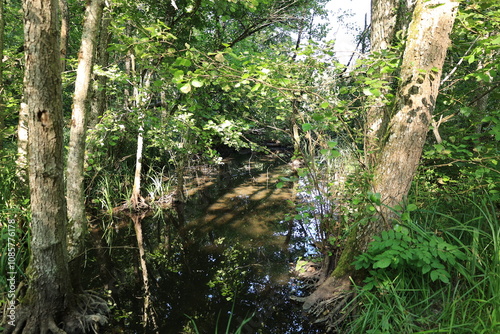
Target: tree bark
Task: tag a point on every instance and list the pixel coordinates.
(388, 18)
(63, 8)
(75, 188)
(402, 142)
(98, 101)
(22, 129)
(141, 98)
(423, 60)
(49, 294)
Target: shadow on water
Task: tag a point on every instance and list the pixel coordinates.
(229, 259)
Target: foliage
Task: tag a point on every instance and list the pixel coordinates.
(398, 250)
(230, 277)
(406, 301)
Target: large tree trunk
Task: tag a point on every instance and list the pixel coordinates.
(50, 300)
(388, 18)
(423, 59)
(75, 192)
(22, 129)
(50, 292)
(402, 141)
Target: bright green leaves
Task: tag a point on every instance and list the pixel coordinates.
(182, 62)
(186, 88)
(196, 83)
(331, 150)
(307, 126)
(401, 250)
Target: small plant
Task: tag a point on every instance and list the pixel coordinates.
(398, 250)
(228, 330)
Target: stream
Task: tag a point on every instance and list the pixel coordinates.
(221, 260)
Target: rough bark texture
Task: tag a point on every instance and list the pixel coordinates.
(402, 142)
(50, 301)
(49, 294)
(388, 18)
(75, 192)
(423, 59)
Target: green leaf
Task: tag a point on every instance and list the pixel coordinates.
(384, 263)
(186, 88)
(196, 83)
(256, 87)
(411, 207)
(306, 126)
(332, 144)
(324, 105)
(335, 153)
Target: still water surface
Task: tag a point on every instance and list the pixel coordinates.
(225, 258)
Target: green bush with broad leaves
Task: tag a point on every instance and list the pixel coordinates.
(402, 249)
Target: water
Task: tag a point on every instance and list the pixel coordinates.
(226, 258)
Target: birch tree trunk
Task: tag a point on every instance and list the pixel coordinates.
(75, 191)
(141, 99)
(401, 143)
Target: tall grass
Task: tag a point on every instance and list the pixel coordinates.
(470, 303)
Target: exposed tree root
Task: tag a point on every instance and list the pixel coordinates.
(88, 315)
(328, 303)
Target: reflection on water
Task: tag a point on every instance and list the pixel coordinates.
(234, 252)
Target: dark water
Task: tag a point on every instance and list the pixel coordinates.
(222, 259)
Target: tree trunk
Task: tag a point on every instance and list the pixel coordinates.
(63, 8)
(98, 101)
(140, 101)
(50, 300)
(75, 188)
(49, 294)
(388, 18)
(402, 142)
(423, 59)
(22, 129)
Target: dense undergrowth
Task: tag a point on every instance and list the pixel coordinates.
(405, 300)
